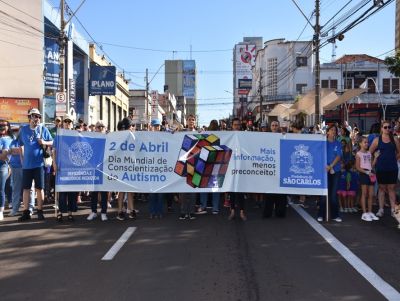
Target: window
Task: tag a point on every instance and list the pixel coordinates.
(386, 86)
(272, 77)
(299, 88)
(348, 84)
(301, 61)
(390, 85)
(329, 83)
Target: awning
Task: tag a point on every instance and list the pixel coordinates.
(346, 96)
(281, 110)
(307, 103)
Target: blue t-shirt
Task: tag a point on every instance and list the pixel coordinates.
(15, 160)
(333, 149)
(33, 151)
(4, 145)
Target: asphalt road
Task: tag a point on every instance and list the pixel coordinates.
(209, 258)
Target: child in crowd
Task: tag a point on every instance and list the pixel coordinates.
(347, 191)
(353, 184)
(364, 165)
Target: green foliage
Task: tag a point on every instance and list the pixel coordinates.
(393, 64)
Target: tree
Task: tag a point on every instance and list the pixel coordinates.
(393, 64)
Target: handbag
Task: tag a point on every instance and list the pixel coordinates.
(47, 158)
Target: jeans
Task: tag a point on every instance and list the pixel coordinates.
(215, 200)
(71, 198)
(3, 179)
(187, 202)
(333, 182)
(16, 183)
(94, 199)
(156, 203)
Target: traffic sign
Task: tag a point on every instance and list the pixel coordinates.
(61, 97)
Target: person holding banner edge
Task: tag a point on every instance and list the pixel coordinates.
(333, 168)
(67, 201)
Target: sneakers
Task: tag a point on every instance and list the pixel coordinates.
(373, 216)
(201, 211)
(303, 205)
(227, 203)
(191, 217)
(366, 217)
(121, 216)
(182, 217)
(320, 219)
(92, 216)
(215, 212)
(26, 215)
(380, 212)
(40, 215)
(132, 214)
(104, 217)
(338, 219)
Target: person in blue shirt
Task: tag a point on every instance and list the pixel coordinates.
(33, 138)
(333, 168)
(5, 141)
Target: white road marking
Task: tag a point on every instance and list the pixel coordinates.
(373, 278)
(119, 244)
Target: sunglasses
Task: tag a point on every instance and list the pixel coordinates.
(387, 127)
(36, 116)
(101, 127)
(68, 121)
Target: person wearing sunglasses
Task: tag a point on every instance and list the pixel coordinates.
(32, 138)
(386, 148)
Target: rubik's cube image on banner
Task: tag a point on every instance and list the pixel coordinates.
(203, 161)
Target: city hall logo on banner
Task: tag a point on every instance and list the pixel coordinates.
(305, 169)
(203, 161)
(301, 160)
(80, 160)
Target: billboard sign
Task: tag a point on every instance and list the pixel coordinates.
(51, 64)
(102, 80)
(154, 104)
(189, 78)
(15, 110)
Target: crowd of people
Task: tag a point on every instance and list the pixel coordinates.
(362, 168)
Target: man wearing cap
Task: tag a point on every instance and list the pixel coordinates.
(32, 138)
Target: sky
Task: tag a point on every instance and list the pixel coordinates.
(137, 35)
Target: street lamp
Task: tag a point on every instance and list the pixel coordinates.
(364, 85)
(398, 95)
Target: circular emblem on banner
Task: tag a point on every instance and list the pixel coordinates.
(80, 153)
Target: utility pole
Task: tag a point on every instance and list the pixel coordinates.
(317, 33)
(146, 96)
(260, 90)
(61, 43)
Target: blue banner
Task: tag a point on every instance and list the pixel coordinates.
(102, 80)
(52, 64)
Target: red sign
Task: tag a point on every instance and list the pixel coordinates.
(15, 110)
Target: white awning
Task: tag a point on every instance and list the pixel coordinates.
(346, 96)
(281, 110)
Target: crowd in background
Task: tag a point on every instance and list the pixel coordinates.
(362, 169)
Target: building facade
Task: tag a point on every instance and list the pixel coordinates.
(180, 80)
(244, 54)
(283, 70)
